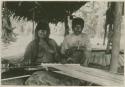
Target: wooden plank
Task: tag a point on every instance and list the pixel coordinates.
(92, 75)
(87, 76)
(99, 73)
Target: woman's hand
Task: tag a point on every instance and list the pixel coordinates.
(45, 46)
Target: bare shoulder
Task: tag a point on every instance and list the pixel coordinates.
(68, 36)
(31, 43)
(52, 41)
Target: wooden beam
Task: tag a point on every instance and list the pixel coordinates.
(116, 37)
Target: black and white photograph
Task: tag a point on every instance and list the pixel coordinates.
(62, 43)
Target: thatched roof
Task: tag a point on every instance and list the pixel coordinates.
(43, 10)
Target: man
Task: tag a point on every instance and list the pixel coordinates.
(76, 46)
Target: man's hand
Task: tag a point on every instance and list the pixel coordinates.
(70, 60)
(82, 48)
(70, 51)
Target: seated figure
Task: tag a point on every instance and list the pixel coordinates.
(42, 49)
(76, 47)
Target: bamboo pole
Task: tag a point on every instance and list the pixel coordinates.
(116, 37)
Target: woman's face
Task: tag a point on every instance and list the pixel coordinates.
(42, 34)
(77, 29)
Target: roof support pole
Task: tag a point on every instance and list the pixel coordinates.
(33, 31)
(66, 24)
(116, 37)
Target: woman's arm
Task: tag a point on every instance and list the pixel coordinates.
(56, 50)
(28, 55)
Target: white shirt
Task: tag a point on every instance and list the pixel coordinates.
(75, 40)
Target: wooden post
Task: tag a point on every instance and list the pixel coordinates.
(116, 37)
(33, 31)
(66, 24)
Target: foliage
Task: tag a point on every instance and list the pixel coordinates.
(7, 30)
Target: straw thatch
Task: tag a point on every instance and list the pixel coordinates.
(45, 11)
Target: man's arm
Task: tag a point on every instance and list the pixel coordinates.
(87, 51)
(55, 47)
(87, 57)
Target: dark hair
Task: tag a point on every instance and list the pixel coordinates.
(78, 21)
(42, 26)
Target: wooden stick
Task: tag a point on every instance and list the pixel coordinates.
(15, 77)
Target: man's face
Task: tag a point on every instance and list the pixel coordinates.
(77, 29)
(42, 34)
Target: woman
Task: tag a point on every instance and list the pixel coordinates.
(42, 49)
